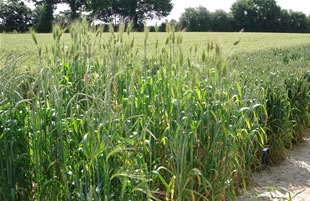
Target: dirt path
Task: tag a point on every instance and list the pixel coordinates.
(290, 179)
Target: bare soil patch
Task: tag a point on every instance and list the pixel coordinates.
(288, 181)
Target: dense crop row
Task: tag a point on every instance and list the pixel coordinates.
(116, 123)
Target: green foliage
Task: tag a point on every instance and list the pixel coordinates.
(222, 21)
(256, 15)
(15, 154)
(74, 5)
(248, 15)
(200, 19)
(294, 22)
(102, 119)
(195, 19)
(298, 88)
(129, 11)
(286, 93)
(267, 16)
(45, 22)
(14, 16)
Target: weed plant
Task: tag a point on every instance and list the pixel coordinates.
(101, 120)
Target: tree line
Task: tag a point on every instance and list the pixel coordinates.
(15, 15)
(248, 15)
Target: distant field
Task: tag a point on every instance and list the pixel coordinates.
(22, 44)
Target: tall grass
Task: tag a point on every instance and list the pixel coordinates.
(99, 120)
(285, 94)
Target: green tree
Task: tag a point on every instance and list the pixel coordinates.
(76, 6)
(293, 22)
(135, 11)
(14, 16)
(204, 19)
(221, 21)
(46, 17)
(116, 11)
(200, 19)
(284, 23)
(36, 15)
(196, 19)
(268, 15)
(298, 22)
(189, 19)
(256, 15)
(244, 14)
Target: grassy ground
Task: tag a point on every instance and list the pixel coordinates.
(23, 45)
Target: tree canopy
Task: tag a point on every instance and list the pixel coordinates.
(108, 11)
(135, 11)
(14, 16)
(256, 15)
(200, 19)
(250, 15)
(76, 6)
(46, 16)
